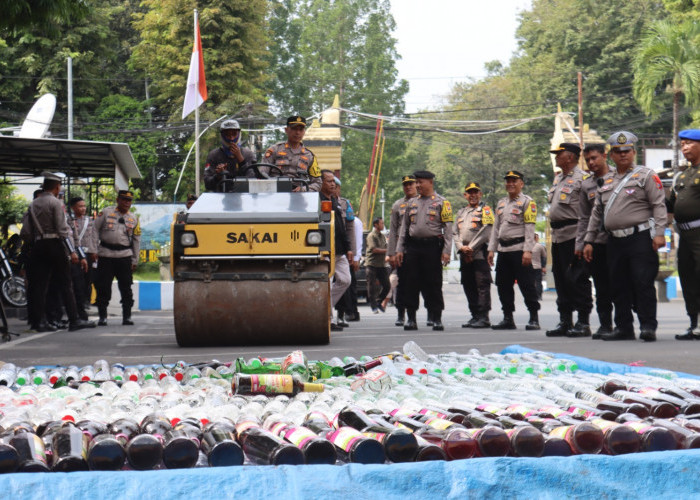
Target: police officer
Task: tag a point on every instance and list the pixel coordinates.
(228, 160)
(425, 238)
(347, 305)
(685, 205)
(513, 236)
(630, 207)
(564, 198)
(472, 232)
(120, 237)
(44, 227)
(596, 160)
(85, 240)
(398, 210)
(539, 265)
(292, 156)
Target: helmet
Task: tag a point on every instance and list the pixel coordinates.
(230, 124)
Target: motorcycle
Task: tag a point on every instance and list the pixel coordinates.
(12, 287)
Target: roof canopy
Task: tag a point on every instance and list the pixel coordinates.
(29, 157)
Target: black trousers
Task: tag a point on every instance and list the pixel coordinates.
(598, 268)
(423, 274)
(633, 265)
(476, 282)
(509, 269)
(571, 295)
(378, 286)
(48, 259)
(537, 279)
(79, 289)
(689, 269)
(107, 269)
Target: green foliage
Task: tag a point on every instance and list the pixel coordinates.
(683, 10)
(12, 207)
(19, 15)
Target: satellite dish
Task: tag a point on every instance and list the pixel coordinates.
(37, 122)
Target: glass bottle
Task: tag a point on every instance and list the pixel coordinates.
(180, 448)
(70, 449)
(618, 439)
(526, 441)
(584, 437)
(220, 446)
(491, 441)
(31, 451)
(9, 458)
(353, 446)
(653, 438)
(295, 363)
(685, 438)
(556, 447)
(264, 448)
(271, 384)
(105, 452)
(428, 451)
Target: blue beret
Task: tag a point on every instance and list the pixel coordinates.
(692, 134)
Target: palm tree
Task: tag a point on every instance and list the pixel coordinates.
(669, 56)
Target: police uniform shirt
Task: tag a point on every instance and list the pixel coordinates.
(375, 239)
(473, 227)
(685, 196)
(539, 254)
(398, 211)
(88, 240)
(48, 212)
(514, 219)
(564, 197)
(113, 232)
(427, 217)
(349, 217)
(589, 188)
(290, 162)
(641, 199)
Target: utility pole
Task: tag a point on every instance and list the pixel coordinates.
(150, 127)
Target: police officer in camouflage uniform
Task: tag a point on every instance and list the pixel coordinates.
(513, 236)
(398, 210)
(596, 160)
(631, 208)
(228, 160)
(685, 205)
(118, 254)
(292, 157)
(425, 238)
(573, 288)
(472, 232)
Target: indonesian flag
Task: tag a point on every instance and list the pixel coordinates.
(196, 92)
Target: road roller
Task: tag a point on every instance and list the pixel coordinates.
(252, 265)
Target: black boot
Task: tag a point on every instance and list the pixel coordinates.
(534, 323)
(482, 321)
(690, 332)
(507, 324)
(564, 325)
(341, 320)
(126, 316)
(411, 323)
(102, 311)
(606, 325)
(581, 328)
(401, 316)
(430, 319)
(437, 321)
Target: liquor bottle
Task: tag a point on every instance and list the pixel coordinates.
(357, 367)
(317, 450)
(9, 458)
(455, 441)
(295, 363)
(556, 447)
(657, 409)
(271, 384)
(264, 448)
(685, 438)
(491, 441)
(611, 385)
(428, 451)
(618, 439)
(584, 437)
(32, 455)
(180, 448)
(105, 452)
(317, 422)
(653, 438)
(619, 407)
(143, 451)
(92, 427)
(526, 441)
(399, 444)
(354, 447)
(70, 449)
(220, 446)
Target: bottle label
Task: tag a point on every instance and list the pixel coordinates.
(555, 411)
(563, 432)
(299, 436)
(293, 358)
(432, 413)
(271, 384)
(378, 436)
(439, 423)
(496, 410)
(38, 445)
(278, 428)
(640, 427)
(344, 438)
(245, 425)
(401, 412)
(521, 409)
(580, 411)
(603, 424)
(474, 432)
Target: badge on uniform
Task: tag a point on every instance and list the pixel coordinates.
(659, 184)
(314, 170)
(591, 194)
(629, 191)
(446, 213)
(609, 181)
(487, 216)
(562, 196)
(530, 216)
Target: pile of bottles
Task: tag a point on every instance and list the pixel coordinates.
(398, 407)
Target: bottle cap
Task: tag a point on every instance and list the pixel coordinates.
(310, 387)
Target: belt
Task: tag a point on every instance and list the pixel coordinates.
(686, 226)
(511, 242)
(562, 223)
(623, 233)
(47, 236)
(114, 247)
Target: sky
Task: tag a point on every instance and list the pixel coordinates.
(443, 42)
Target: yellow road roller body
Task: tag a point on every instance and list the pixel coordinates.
(253, 267)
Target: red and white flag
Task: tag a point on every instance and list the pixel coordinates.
(196, 92)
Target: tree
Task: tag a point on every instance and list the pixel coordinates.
(12, 207)
(668, 57)
(18, 15)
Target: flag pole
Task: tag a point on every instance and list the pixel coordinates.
(196, 120)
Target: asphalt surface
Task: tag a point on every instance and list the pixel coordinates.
(152, 339)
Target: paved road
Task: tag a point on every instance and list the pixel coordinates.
(153, 339)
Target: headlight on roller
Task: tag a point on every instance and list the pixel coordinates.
(314, 238)
(188, 239)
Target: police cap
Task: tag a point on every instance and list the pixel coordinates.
(423, 174)
(691, 134)
(514, 174)
(622, 141)
(53, 176)
(127, 195)
(471, 186)
(408, 179)
(567, 146)
(295, 120)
